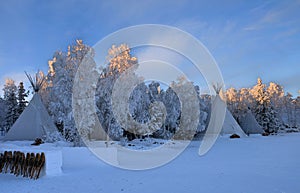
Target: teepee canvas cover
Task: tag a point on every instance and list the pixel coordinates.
(33, 123)
(230, 126)
(249, 124)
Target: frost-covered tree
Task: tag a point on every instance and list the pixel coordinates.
(21, 98)
(232, 99)
(276, 94)
(103, 104)
(84, 100)
(119, 60)
(156, 94)
(259, 93)
(246, 100)
(139, 103)
(155, 91)
(61, 74)
(190, 108)
(173, 108)
(10, 96)
(297, 111)
(3, 109)
(166, 97)
(203, 112)
(45, 88)
(239, 101)
(60, 91)
(288, 109)
(265, 113)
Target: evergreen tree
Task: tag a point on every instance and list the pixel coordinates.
(22, 94)
(173, 108)
(10, 96)
(297, 111)
(265, 113)
(203, 112)
(139, 103)
(3, 107)
(287, 109)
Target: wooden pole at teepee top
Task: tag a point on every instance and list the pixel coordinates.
(36, 83)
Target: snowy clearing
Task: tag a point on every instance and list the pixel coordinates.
(248, 165)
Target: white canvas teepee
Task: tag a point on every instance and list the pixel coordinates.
(219, 124)
(34, 122)
(230, 126)
(249, 124)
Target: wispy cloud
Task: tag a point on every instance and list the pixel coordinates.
(268, 15)
(212, 35)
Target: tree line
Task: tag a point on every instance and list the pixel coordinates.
(273, 109)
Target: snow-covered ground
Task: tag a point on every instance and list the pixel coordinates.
(250, 165)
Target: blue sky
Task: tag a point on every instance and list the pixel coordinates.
(248, 39)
